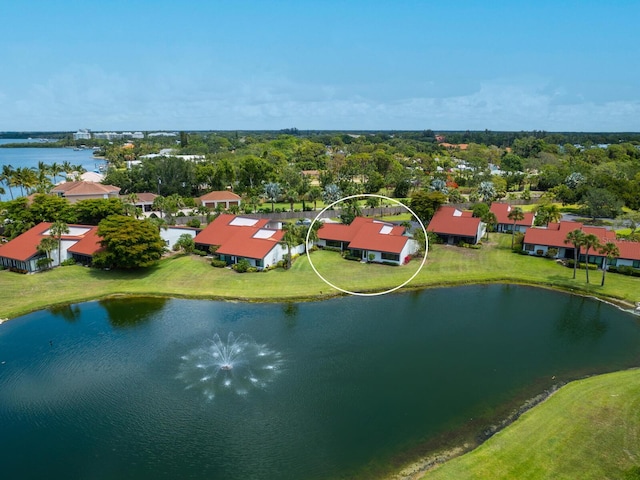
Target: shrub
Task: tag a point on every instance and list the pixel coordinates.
(218, 263)
(551, 253)
(194, 223)
(242, 266)
(352, 257)
(384, 262)
(200, 253)
(332, 249)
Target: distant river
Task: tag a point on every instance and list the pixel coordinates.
(30, 156)
(165, 389)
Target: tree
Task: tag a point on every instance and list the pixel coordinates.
(479, 210)
(487, 191)
(291, 238)
(46, 245)
(424, 204)
(56, 231)
(7, 176)
(575, 238)
(549, 213)
(185, 243)
(516, 214)
(314, 194)
(629, 220)
(610, 251)
(491, 220)
(128, 243)
(600, 202)
(272, 192)
(331, 193)
(590, 241)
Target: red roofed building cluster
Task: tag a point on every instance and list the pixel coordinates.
(504, 224)
(236, 238)
(21, 254)
(454, 226)
(370, 240)
(538, 241)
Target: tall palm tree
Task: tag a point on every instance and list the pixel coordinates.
(491, 220)
(56, 231)
(575, 238)
(314, 194)
(55, 169)
(7, 177)
(590, 241)
(46, 245)
(610, 250)
(290, 238)
(516, 214)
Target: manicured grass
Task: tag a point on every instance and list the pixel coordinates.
(194, 277)
(589, 429)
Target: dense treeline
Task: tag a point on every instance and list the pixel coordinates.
(599, 173)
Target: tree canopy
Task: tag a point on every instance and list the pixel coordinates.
(128, 243)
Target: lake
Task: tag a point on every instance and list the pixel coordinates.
(30, 156)
(166, 388)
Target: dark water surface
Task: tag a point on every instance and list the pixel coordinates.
(152, 388)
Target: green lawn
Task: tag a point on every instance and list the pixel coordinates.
(589, 429)
(194, 277)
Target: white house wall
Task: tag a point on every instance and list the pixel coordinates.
(171, 235)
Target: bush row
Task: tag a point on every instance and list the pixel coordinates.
(625, 270)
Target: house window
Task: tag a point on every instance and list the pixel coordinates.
(334, 243)
(636, 264)
(394, 257)
(528, 247)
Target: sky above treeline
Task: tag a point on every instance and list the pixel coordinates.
(321, 64)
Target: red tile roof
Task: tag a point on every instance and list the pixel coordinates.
(84, 188)
(241, 239)
(366, 234)
(501, 211)
(451, 221)
(88, 245)
(220, 196)
(556, 233)
(25, 246)
(145, 197)
(628, 250)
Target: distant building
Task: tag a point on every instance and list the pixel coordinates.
(82, 134)
(75, 191)
(220, 197)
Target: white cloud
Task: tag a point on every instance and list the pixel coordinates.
(87, 96)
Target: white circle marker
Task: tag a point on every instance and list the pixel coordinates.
(317, 219)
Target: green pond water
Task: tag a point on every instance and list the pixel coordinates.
(346, 388)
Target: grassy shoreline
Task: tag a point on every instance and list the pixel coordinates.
(193, 277)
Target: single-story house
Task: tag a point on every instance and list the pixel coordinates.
(454, 226)
(81, 190)
(171, 234)
(237, 238)
(504, 224)
(220, 197)
(370, 240)
(21, 254)
(538, 241)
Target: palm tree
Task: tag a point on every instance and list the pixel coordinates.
(516, 214)
(290, 238)
(56, 231)
(55, 169)
(272, 191)
(610, 251)
(291, 195)
(45, 246)
(575, 238)
(491, 220)
(314, 194)
(7, 177)
(590, 241)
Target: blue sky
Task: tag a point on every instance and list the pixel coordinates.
(324, 64)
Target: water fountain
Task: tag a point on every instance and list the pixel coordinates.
(236, 365)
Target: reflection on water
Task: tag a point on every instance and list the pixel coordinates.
(151, 388)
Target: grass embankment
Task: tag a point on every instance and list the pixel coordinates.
(194, 277)
(589, 429)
